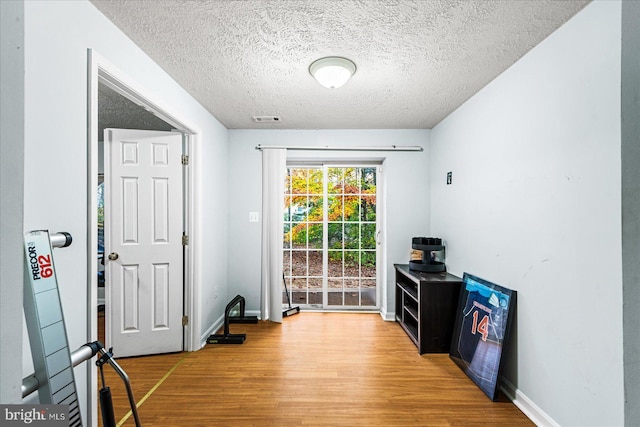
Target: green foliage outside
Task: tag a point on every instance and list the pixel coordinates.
(351, 212)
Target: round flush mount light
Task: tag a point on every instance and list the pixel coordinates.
(332, 71)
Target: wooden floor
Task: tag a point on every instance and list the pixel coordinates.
(314, 369)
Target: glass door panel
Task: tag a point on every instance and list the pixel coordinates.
(330, 249)
(303, 236)
(351, 246)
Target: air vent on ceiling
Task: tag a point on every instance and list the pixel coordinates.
(266, 119)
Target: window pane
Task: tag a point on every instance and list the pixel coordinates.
(351, 181)
(315, 263)
(335, 297)
(298, 181)
(335, 208)
(334, 283)
(299, 266)
(315, 208)
(351, 264)
(298, 291)
(315, 291)
(298, 209)
(351, 283)
(298, 284)
(351, 208)
(315, 236)
(351, 297)
(286, 262)
(287, 182)
(368, 207)
(335, 264)
(351, 236)
(368, 283)
(315, 297)
(287, 208)
(368, 237)
(315, 181)
(368, 264)
(334, 183)
(286, 238)
(299, 235)
(335, 235)
(368, 292)
(368, 179)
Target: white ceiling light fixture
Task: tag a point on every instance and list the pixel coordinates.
(332, 71)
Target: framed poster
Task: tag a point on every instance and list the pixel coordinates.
(481, 329)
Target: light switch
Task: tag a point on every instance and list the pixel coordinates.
(254, 216)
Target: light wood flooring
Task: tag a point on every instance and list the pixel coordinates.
(329, 369)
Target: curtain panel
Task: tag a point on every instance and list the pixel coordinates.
(274, 169)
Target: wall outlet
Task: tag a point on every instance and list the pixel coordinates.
(254, 216)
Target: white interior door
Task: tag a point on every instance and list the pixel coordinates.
(143, 242)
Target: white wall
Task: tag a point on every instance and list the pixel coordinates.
(631, 207)
(212, 255)
(535, 206)
(11, 194)
(404, 173)
(57, 36)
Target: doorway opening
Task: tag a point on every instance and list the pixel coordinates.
(101, 71)
(114, 111)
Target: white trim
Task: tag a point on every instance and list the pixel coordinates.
(382, 287)
(328, 148)
(387, 316)
(92, 238)
(526, 405)
(101, 70)
(215, 326)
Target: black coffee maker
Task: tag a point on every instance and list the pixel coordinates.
(432, 259)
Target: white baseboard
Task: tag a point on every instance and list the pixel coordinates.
(526, 405)
(253, 313)
(387, 316)
(211, 330)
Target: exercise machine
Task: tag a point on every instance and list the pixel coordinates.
(52, 360)
(233, 313)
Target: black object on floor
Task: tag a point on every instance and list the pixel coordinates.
(227, 337)
(291, 310)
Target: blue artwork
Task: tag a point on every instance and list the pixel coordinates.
(481, 328)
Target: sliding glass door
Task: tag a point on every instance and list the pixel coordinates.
(330, 233)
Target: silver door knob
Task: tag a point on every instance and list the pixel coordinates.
(113, 256)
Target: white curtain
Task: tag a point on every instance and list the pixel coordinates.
(274, 169)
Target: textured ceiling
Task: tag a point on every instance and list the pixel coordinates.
(417, 61)
(116, 111)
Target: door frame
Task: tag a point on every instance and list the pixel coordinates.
(100, 70)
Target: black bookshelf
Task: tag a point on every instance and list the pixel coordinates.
(426, 305)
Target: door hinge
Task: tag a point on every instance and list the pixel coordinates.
(185, 159)
(185, 320)
(185, 239)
